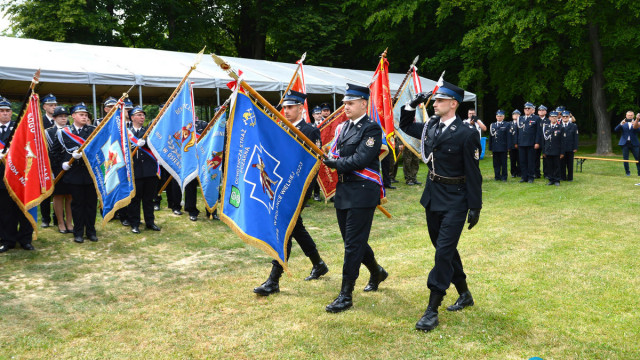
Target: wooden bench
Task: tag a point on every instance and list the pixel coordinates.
(581, 159)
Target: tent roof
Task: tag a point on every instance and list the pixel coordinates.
(71, 70)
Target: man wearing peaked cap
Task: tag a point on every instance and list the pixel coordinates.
(528, 141)
(292, 105)
(499, 146)
(84, 197)
(514, 157)
(326, 110)
(544, 120)
(108, 104)
(570, 145)
(552, 134)
(358, 192)
(14, 226)
(453, 192)
(145, 173)
(317, 115)
(49, 103)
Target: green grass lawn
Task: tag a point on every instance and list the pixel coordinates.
(553, 271)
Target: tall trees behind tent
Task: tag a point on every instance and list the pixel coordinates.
(582, 54)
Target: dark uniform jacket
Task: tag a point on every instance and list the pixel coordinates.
(359, 148)
(455, 153)
(513, 135)
(528, 128)
(52, 139)
(499, 132)
(78, 174)
(46, 122)
(313, 134)
(143, 164)
(552, 136)
(570, 137)
(4, 137)
(200, 126)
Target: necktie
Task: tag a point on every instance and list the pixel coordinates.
(348, 127)
(439, 129)
(3, 128)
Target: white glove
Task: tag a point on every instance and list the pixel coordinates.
(66, 166)
(141, 142)
(76, 154)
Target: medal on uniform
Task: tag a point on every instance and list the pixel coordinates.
(370, 142)
(476, 154)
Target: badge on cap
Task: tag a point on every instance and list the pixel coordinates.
(476, 154)
(370, 142)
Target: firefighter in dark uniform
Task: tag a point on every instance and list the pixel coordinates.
(292, 105)
(14, 226)
(62, 190)
(452, 194)
(107, 106)
(528, 125)
(498, 144)
(83, 192)
(542, 114)
(552, 135)
(514, 157)
(191, 189)
(145, 174)
(569, 146)
(356, 154)
(49, 103)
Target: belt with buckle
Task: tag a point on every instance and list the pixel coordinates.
(446, 180)
(349, 178)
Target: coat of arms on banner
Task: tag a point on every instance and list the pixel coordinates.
(261, 173)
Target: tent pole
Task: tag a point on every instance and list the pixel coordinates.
(95, 105)
(334, 101)
(140, 94)
(217, 96)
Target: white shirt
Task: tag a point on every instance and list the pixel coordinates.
(297, 122)
(446, 123)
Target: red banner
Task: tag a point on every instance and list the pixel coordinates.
(328, 178)
(28, 171)
(381, 96)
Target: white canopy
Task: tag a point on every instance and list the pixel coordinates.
(75, 70)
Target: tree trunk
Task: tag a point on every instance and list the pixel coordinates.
(252, 37)
(597, 89)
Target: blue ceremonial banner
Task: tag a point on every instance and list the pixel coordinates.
(266, 174)
(210, 148)
(173, 139)
(109, 161)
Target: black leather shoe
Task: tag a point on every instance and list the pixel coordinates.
(429, 320)
(393, 181)
(272, 285)
(522, 180)
(93, 238)
(153, 227)
(376, 278)
(215, 216)
(193, 217)
(318, 270)
(317, 198)
(78, 239)
(556, 183)
(5, 248)
(417, 182)
(463, 301)
(530, 181)
(27, 246)
(391, 187)
(550, 183)
(411, 183)
(135, 230)
(125, 223)
(343, 301)
(156, 207)
(177, 212)
(45, 225)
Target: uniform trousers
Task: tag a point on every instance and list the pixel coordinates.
(146, 189)
(553, 164)
(84, 201)
(566, 166)
(527, 162)
(445, 228)
(303, 239)
(45, 210)
(500, 165)
(635, 150)
(536, 166)
(191, 198)
(14, 226)
(355, 226)
(410, 166)
(385, 166)
(515, 162)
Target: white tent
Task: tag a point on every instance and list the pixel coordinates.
(73, 71)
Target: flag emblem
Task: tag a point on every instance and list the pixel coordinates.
(249, 117)
(113, 161)
(263, 171)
